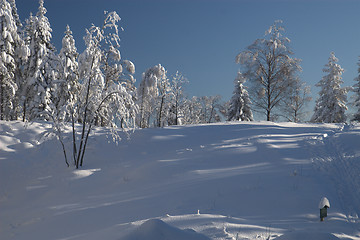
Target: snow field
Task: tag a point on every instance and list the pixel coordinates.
(254, 180)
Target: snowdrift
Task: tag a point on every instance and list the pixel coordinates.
(257, 180)
(156, 229)
(308, 236)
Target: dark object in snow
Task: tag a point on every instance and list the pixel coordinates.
(323, 213)
(323, 205)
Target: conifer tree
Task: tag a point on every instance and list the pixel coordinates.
(240, 109)
(331, 104)
(12, 51)
(356, 89)
(41, 68)
(22, 52)
(68, 86)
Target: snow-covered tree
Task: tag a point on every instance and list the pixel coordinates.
(21, 56)
(176, 113)
(210, 109)
(12, 51)
(148, 92)
(163, 101)
(268, 66)
(240, 109)
(68, 86)
(41, 68)
(192, 111)
(293, 108)
(331, 104)
(356, 89)
(107, 91)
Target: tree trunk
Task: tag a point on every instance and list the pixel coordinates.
(2, 102)
(86, 139)
(24, 110)
(84, 125)
(74, 138)
(160, 111)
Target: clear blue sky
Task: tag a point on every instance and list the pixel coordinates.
(201, 38)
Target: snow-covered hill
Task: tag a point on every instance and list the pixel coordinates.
(222, 181)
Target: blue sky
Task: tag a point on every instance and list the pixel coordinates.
(201, 38)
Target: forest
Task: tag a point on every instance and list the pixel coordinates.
(97, 86)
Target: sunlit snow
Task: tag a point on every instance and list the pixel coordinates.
(257, 180)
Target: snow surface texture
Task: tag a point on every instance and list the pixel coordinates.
(157, 229)
(256, 180)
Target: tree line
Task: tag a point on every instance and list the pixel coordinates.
(97, 87)
(88, 89)
(275, 89)
(37, 83)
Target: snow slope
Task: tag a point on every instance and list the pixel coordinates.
(256, 180)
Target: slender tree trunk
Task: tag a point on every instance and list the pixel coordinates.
(74, 138)
(64, 150)
(86, 139)
(2, 100)
(142, 115)
(160, 111)
(84, 125)
(24, 111)
(84, 119)
(211, 114)
(176, 112)
(268, 110)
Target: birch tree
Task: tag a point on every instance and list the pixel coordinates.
(270, 69)
(107, 91)
(68, 86)
(295, 103)
(178, 99)
(163, 101)
(148, 92)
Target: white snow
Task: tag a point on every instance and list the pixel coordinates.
(324, 202)
(85, 173)
(221, 181)
(156, 229)
(307, 235)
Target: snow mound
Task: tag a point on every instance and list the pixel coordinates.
(156, 229)
(307, 236)
(324, 202)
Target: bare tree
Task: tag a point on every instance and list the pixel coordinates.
(177, 99)
(296, 102)
(210, 109)
(270, 69)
